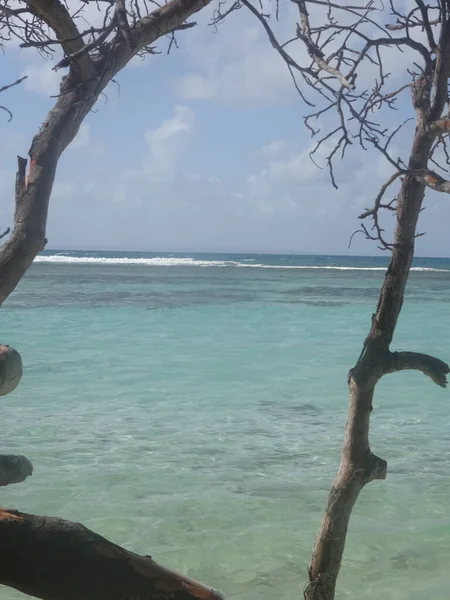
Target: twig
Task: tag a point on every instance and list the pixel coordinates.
(10, 85)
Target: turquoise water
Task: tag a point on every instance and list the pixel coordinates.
(193, 408)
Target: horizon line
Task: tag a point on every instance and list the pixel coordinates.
(224, 253)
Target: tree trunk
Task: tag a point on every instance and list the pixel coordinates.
(58, 560)
(359, 465)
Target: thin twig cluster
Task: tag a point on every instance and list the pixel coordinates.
(79, 33)
(340, 60)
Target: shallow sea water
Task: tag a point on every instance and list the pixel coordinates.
(195, 412)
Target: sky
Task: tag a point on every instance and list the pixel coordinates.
(202, 150)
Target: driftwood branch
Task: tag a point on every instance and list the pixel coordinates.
(433, 367)
(14, 469)
(55, 559)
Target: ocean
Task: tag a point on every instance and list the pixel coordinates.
(192, 407)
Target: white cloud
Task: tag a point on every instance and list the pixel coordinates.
(258, 78)
(62, 190)
(237, 65)
(42, 79)
(166, 143)
(83, 137)
(138, 62)
(288, 205)
(273, 148)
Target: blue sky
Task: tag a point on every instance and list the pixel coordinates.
(202, 150)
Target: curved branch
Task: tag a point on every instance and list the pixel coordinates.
(433, 367)
(426, 24)
(10, 85)
(304, 34)
(273, 40)
(404, 41)
(441, 73)
(370, 211)
(8, 112)
(399, 26)
(7, 87)
(55, 559)
(14, 469)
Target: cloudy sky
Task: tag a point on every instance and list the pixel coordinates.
(202, 150)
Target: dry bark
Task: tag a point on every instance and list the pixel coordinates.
(54, 559)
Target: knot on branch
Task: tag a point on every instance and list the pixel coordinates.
(436, 369)
(374, 467)
(14, 469)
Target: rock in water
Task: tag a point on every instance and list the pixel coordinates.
(10, 369)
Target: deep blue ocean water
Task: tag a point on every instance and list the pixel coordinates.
(192, 407)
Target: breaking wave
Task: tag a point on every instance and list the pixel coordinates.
(193, 262)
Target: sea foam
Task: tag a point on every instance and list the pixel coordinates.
(193, 262)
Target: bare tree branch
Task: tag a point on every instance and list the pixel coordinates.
(58, 18)
(304, 34)
(10, 85)
(122, 20)
(85, 49)
(9, 113)
(400, 26)
(52, 42)
(79, 92)
(441, 73)
(426, 24)
(434, 368)
(433, 181)
(7, 87)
